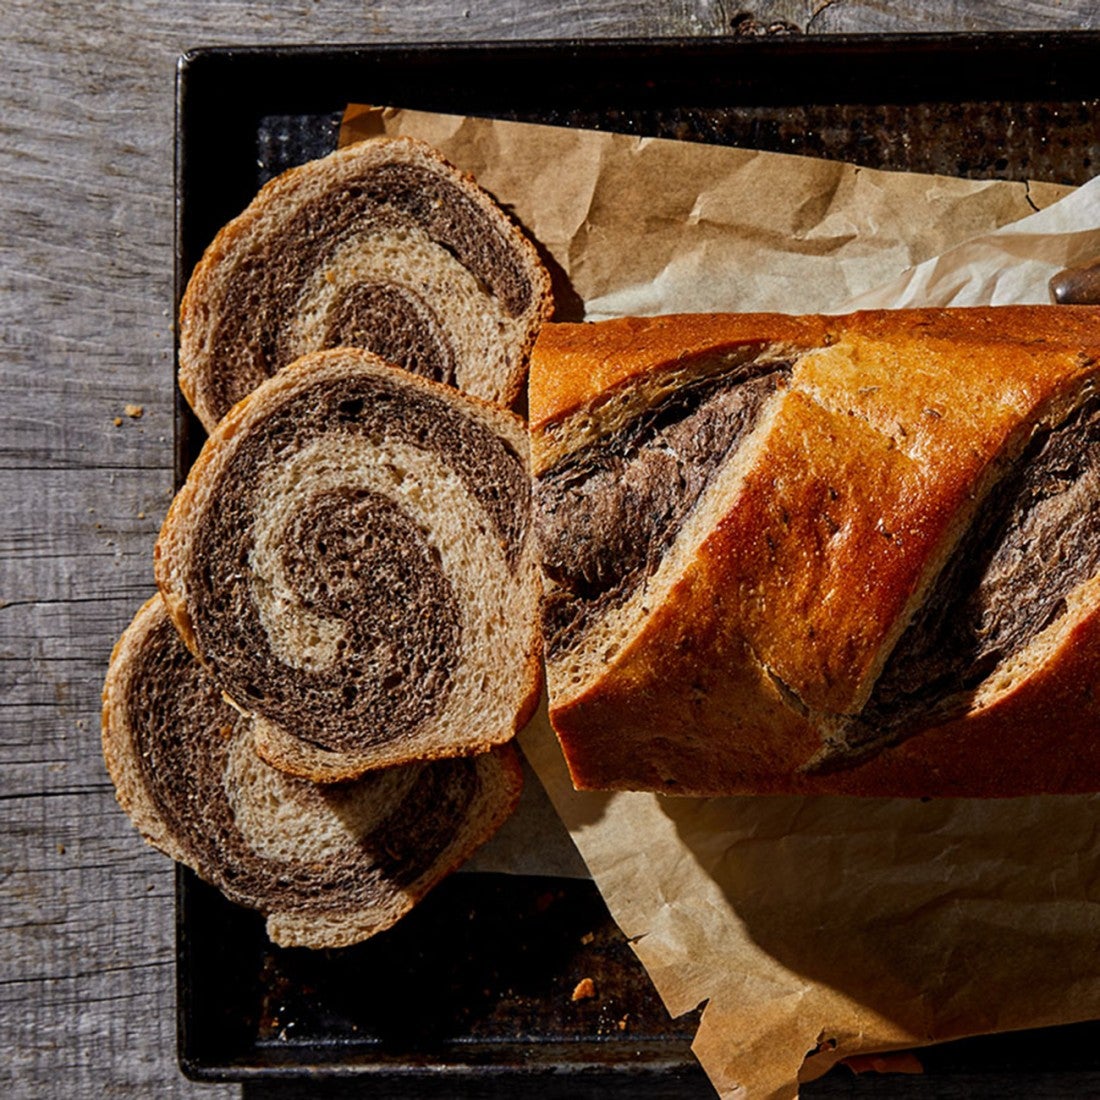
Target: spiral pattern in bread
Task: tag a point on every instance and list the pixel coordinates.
(328, 865)
(382, 245)
(351, 559)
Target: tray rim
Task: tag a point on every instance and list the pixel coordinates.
(813, 43)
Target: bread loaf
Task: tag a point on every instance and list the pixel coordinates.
(382, 245)
(351, 559)
(329, 866)
(823, 554)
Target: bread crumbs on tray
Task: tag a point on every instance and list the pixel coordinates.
(584, 990)
(134, 412)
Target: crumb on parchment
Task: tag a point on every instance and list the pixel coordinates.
(585, 989)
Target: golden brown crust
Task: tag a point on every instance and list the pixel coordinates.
(724, 720)
(574, 364)
(1038, 738)
(893, 426)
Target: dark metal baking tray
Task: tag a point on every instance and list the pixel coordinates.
(470, 995)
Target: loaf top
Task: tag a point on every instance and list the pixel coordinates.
(577, 365)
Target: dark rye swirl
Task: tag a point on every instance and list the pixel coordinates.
(328, 865)
(351, 559)
(382, 245)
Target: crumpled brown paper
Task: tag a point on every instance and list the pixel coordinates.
(1011, 266)
(814, 928)
(646, 225)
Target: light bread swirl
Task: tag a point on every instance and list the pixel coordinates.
(823, 554)
(382, 245)
(329, 866)
(351, 559)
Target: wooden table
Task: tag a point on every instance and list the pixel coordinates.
(87, 947)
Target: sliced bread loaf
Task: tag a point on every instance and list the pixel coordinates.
(382, 245)
(351, 558)
(852, 555)
(329, 866)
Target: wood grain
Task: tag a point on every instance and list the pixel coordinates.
(86, 114)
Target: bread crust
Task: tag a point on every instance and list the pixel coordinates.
(577, 365)
(893, 426)
(117, 740)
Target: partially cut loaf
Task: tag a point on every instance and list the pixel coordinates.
(823, 554)
(382, 245)
(351, 558)
(329, 866)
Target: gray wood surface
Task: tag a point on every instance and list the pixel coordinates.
(86, 132)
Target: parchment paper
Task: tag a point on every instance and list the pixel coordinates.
(813, 928)
(644, 225)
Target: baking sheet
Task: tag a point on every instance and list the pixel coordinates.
(889, 107)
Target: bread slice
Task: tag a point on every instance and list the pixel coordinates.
(351, 558)
(788, 554)
(382, 245)
(329, 866)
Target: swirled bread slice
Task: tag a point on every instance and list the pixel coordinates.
(382, 245)
(823, 554)
(328, 865)
(351, 558)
